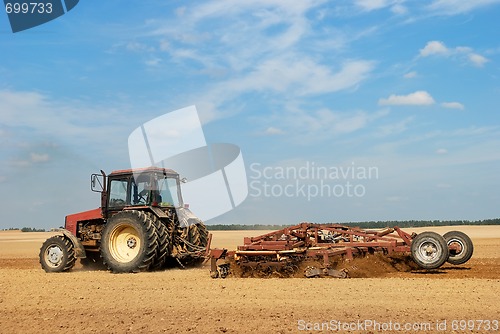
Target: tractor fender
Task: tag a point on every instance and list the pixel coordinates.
(79, 250)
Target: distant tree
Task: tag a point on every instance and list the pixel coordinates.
(32, 229)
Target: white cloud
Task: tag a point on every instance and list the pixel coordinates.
(139, 47)
(228, 7)
(395, 128)
(410, 75)
(434, 48)
(298, 76)
(439, 48)
(477, 59)
(476, 131)
(399, 9)
(245, 30)
(453, 105)
(180, 11)
(308, 126)
(441, 151)
(37, 111)
(153, 62)
(258, 46)
(262, 47)
(291, 78)
(463, 49)
(370, 5)
(454, 7)
(273, 131)
(33, 116)
(39, 157)
(418, 98)
(333, 122)
(32, 159)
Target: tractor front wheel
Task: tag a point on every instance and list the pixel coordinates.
(57, 254)
(429, 250)
(129, 242)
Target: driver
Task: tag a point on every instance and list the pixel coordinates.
(152, 195)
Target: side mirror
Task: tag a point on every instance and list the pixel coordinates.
(97, 182)
(184, 180)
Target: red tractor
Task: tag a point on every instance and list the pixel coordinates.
(141, 225)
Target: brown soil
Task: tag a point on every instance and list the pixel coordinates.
(189, 301)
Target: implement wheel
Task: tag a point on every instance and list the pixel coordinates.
(464, 245)
(57, 254)
(429, 250)
(129, 242)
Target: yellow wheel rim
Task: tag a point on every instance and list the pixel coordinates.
(125, 243)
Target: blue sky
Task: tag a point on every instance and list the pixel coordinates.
(410, 88)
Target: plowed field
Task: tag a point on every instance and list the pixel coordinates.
(460, 299)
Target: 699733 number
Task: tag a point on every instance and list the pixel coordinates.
(28, 8)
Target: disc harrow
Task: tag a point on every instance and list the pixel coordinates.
(285, 252)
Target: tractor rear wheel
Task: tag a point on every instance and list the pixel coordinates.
(129, 242)
(197, 236)
(57, 254)
(163, 249)
(429, 250)
(465, 247)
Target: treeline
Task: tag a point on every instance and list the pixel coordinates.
(32, 229)
(368, 224)
(239, 227)
(424, 223)
(24, 229)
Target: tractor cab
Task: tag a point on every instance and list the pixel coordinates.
(153, 186)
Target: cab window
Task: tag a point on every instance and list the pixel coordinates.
(118, 193)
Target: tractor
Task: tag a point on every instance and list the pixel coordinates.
(142, 224)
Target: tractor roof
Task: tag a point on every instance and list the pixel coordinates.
(145, 170)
